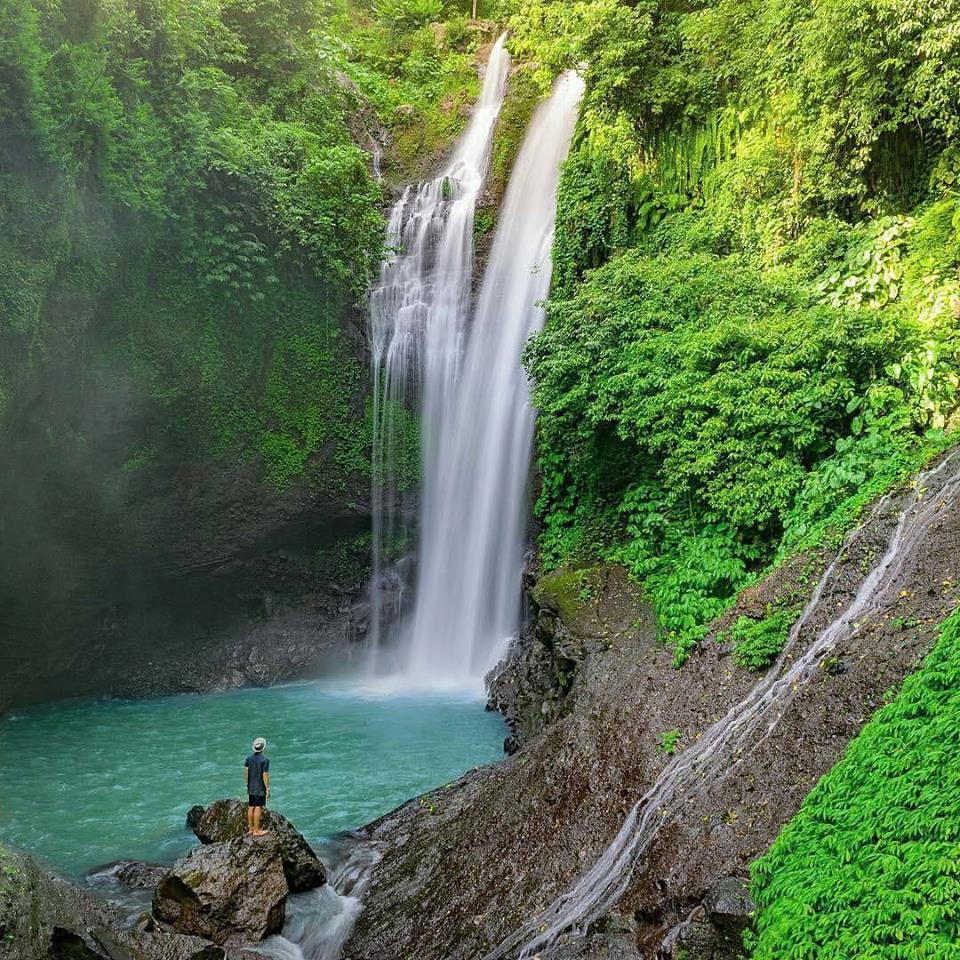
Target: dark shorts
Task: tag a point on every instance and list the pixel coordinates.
(257, 802)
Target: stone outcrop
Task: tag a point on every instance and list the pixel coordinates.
(231, 893)
(714, 929)
(134, 874)
(534, 684)
(226, 820)
(43, 917)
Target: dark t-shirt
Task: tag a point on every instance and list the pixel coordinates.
(258, 765)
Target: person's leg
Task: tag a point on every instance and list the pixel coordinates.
(250, 815)
(257, 812)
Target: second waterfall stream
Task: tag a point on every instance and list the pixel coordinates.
(456, 365)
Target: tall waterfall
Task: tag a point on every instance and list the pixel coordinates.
(417, 313)
(472, 524)
(476, 423)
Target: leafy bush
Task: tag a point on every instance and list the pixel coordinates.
(407, 14)
(687, 402)
(752, 327)
(868, 867)
(757, 643)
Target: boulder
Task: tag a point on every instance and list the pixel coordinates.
(694, 939)
(131, 873)
(227, 820)
(714, 930)
(729, 906)
(232, 893)
(193, 816)
(44, 917)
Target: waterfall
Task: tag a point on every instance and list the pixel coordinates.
(417, 313)
(472, 526)
(470, 391)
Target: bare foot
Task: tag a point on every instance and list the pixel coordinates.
(260, 833)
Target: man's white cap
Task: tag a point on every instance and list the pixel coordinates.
(259, 745)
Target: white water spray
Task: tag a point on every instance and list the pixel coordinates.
(474, 498)
(745, 726)
(476, 422)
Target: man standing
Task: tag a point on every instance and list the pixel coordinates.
(258, 786)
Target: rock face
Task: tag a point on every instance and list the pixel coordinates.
(464, 869)
(43, 917)
(193, 816)
(232, 893)
(534, 685)
(227, 820)
(729, 906)
(223, 584)
(713, 930)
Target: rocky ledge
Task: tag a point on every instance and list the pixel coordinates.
(226, 820)
(227, 894)
(231, 893)
(626, 794)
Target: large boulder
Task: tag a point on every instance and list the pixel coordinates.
(227, 820)
(231, 893)
(730, 906)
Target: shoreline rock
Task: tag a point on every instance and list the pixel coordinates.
(44, 917)
(232, 893)
(135, 874)
(226, 820)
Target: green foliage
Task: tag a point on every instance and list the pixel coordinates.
(415, 62)
(757, 643)
(868, 866)
(752, 328)
(669, 740)
(694, 405)
(408, 14)
(187, 217)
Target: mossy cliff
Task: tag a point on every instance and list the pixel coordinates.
(189, 220)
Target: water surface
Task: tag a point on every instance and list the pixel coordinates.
(86, 782)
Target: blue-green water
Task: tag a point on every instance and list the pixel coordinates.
(89, 782)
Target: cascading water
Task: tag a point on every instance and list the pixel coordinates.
(474, 498)
(417, 313)
(476, 420)
(745, 726)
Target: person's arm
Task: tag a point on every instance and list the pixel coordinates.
(266, 782)
(246, 775)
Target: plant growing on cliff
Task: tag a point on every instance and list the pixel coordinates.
(868, 867)
(757, 643)
(669, 740)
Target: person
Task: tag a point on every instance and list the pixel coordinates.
(258, 786)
